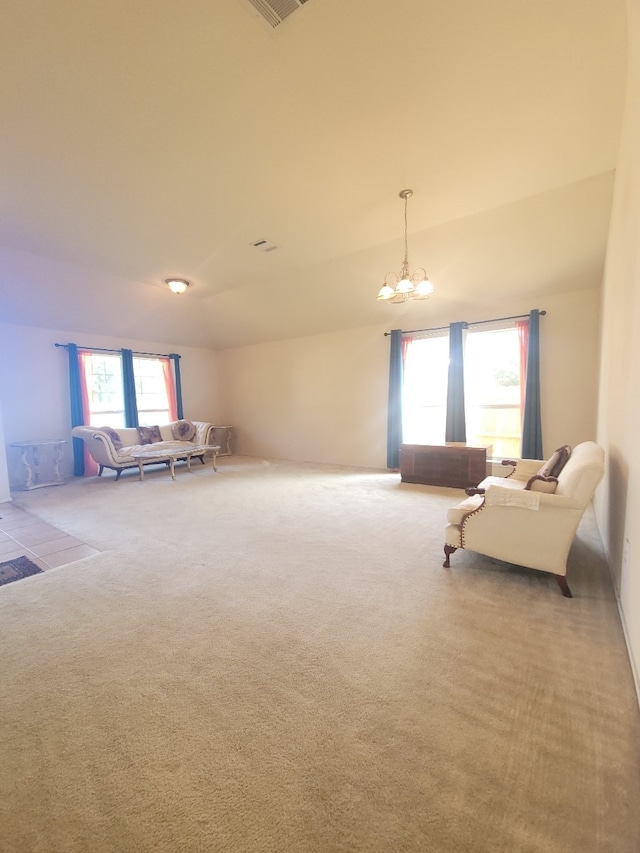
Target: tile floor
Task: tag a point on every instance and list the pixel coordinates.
(22, 534)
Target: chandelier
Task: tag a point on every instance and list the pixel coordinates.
(406, 285)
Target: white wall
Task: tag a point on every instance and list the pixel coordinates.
(5, 493)
(319, 399)
(324, 398)
(34, 385)
(618, 501)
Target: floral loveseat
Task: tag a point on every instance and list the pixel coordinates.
(112, 448)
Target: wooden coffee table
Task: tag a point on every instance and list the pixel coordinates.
(172, 456)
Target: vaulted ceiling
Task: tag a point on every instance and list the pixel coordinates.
(149, 139)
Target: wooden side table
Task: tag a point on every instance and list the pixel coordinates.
(40, 462)
(452, 464)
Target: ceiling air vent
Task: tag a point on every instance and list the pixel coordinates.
(275, 11)
(264, 245)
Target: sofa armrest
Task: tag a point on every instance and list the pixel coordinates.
(98, 444)
(83, 432)
(204, 432)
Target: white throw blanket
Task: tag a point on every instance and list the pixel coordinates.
(522, 498)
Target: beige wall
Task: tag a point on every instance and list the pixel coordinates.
(324, 398)
(315, 399)
(34, 386)
(617, 501)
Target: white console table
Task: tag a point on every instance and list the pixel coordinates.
(223, 440)
(40, 462)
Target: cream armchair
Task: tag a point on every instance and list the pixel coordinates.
(529, 528)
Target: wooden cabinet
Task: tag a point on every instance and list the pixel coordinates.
(455, 465)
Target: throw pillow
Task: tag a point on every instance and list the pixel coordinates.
(556, 462)
(149, 434)
(183, 430)
(114, 436)
(538, 483)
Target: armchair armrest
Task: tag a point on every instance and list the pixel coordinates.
(539, 538)
(524, 468)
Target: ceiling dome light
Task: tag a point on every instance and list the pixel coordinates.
(177, 285)
(407, 285)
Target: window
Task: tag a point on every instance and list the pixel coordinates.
(105, 392)
(491, 383)
(424, 390)
(151, 391)
(492, 390)
(103, 374)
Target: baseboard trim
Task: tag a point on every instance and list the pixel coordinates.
(635, 671)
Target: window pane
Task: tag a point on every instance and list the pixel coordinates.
(104, 384)
(492, 390)
(424, 398)
(151, 392)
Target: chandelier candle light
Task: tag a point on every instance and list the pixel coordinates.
(407, 285)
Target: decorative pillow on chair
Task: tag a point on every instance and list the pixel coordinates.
(114, 436)
(183, 430)
(538, 483)
(149, 434)
(556, 462)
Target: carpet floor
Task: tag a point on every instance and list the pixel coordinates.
(272, 659)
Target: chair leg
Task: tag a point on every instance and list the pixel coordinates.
(448, 550)
(564, 586)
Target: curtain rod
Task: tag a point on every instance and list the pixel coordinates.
(475, 323)
(104, 349)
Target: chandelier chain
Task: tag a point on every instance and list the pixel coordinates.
(406, 240)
